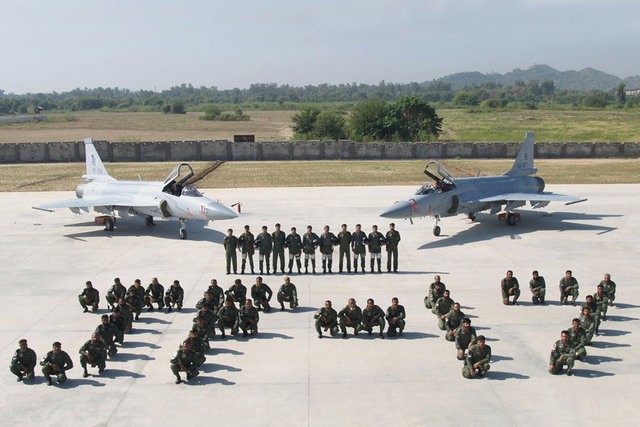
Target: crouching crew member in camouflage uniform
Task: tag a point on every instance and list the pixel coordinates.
(375, 241)
(588, 323)
(278, 238)
(372, 315)
(327, 241)
(247, 244)
(478, 358)
(563, 353)
(198, 347)
(108, 334)
(174, 296)
(154, 294)
(89, 296)
(117, 291)
(327, 319)
(126, 313)
(228, 318)
(248, 318)
(288, 293)
(56, 362)
(94, 353)
(217, 294)
(568, 287)
(359, 248)
(435, 292)
(395, 318)
(294, 242)
(264, 243)
(393, 239)
(578, 338)
(609, 288)
(184, 361)
(310, 241)
(344, 243)
(538, 288)
(135, 297)
(510, 288)
(237, 292)
(23, 362)
(442, 308)
(230, 245)
(465, 338)
(602, 304)
(261, 294)
(350, 316)
(453, 321)
(205, 331)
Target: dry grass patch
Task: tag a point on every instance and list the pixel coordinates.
(57, 177)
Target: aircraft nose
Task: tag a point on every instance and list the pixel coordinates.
(398, 210)
(221, 212)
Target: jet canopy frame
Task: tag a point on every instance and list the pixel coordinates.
(443, 181)
(174, 183)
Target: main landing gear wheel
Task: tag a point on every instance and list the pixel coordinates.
(109, 224)
(511, 219)
(149, 221)
(436, 230)
(471, 216)
(182, 233)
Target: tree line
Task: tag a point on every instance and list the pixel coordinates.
(531, 94)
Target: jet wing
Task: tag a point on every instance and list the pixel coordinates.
(533, 197)
(100, 201)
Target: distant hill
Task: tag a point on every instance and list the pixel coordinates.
(587, 79)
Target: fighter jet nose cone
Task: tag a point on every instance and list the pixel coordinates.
(221, 212)
(398, 210)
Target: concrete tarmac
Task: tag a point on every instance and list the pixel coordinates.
(286, 375)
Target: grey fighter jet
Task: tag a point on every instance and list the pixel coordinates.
(448, 196)
(171, 198)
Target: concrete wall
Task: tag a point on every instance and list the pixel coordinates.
(207, 150)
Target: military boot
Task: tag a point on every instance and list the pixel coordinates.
(329, 265)
(244, 263)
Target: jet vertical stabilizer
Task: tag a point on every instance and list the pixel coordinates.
(524, 162)
(95, 167)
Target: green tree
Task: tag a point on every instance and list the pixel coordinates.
(621, 95)
(466, 98)
(330, 124)
(211, 112)
(411, 119)
(304, 121)
(367, 121)
(178, 107)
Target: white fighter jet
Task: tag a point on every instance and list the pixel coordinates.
(171, 198)
(449, 196)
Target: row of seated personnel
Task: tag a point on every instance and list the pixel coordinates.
(573, 341)
(568, 287)
(94, 352)
(218, 309)
(470, 347)
(352, 316)
(306, 244)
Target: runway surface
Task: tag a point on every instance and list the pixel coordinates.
(286, 375)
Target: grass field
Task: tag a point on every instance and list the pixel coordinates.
(459, 125)
(50, 177)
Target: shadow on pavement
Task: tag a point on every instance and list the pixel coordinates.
(200, 380)
(414, 336)
(136, 344)
(119, 373)
(126, 357)
(604, 344)
(621, 318)
(226, 351)
(589, 373)
(212, 367)
(501, 376)
(596, 360)
(495, 358)
(613, 332)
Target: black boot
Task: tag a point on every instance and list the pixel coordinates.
(329, 265)
(244, 263)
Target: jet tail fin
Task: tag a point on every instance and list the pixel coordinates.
(524, 161)
(95, 167)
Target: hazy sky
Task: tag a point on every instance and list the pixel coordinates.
(154, 44)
